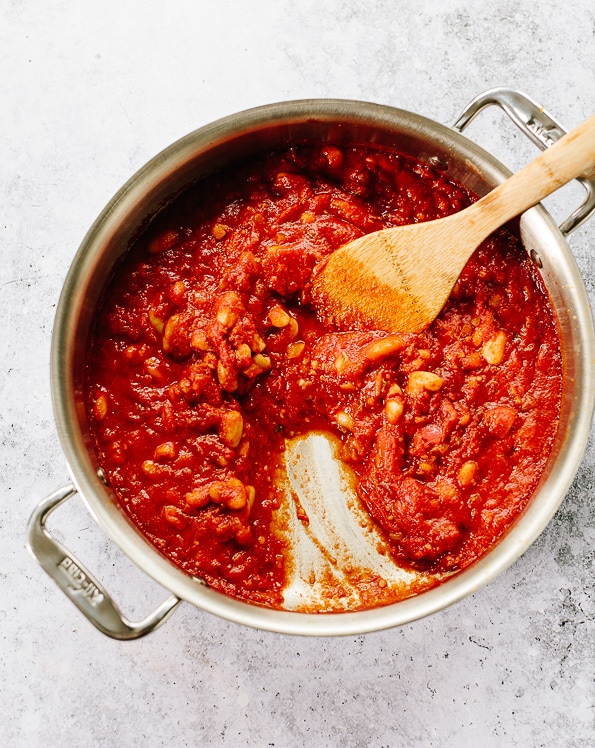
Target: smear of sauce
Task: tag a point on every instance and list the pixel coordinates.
(338, 559)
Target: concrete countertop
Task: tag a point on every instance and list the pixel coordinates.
(88, 94)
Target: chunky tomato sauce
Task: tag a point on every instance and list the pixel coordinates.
(206, 357)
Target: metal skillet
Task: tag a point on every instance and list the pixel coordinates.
(156, 185)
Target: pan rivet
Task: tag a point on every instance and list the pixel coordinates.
(536, 259)
(438, 163)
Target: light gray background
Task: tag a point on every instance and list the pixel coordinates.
(88, 93)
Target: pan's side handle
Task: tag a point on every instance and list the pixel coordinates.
(78, 584)
(538, 126)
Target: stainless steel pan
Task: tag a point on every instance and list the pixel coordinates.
(205, 151)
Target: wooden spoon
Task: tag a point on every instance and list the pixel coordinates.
(399, 279)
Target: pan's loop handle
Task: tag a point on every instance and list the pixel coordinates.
(78, 584)
(538, 126)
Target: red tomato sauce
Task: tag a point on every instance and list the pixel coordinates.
(206, 356)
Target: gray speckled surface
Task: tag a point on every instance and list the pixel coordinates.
(88, 94)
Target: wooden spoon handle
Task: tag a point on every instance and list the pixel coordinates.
(571, 156)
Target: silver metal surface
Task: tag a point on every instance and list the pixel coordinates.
(538, 126)
(219, 144)
(89, 596)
